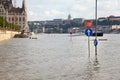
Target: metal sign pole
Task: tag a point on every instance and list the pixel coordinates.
(96, 28)
(89, 47)
(88, 32)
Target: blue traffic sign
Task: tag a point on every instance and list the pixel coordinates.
(95, 42)
(88, 32)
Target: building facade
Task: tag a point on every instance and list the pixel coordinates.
(15, 15)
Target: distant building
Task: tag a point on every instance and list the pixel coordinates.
(115, 27)
(114, 18)
(102, 18)
(14, 15)
(57, 21)
(69, 17)
(79, 20)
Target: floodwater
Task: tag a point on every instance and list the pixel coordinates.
(59, 57)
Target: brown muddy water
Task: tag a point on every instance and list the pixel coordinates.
(59, 57)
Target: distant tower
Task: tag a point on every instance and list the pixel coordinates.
(24, 5)
(69, 17)
(14, 3)
(25, 26)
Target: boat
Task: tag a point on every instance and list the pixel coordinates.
(99, 33)
(32, 35)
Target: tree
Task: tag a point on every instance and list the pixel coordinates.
(4, 24)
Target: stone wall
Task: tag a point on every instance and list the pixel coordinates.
(4, 35)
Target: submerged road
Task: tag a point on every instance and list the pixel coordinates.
(59, 57)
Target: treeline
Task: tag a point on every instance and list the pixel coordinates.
(4, 25)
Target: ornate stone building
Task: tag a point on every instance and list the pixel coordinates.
(15, 15)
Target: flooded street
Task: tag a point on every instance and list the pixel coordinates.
(59, 57)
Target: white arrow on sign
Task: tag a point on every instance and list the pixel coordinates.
(88, 32)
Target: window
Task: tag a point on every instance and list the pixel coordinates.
(9, 19)
(12, 18)
(19, 18)
(23, 19)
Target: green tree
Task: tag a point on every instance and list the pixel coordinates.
(9, 26)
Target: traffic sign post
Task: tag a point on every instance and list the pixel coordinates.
(88, 32)
(95, 42)
(89, 48)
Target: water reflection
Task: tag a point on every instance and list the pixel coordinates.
(96, 65)
(92, 70)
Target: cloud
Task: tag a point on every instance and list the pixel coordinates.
(82, 9)
(31, 13)
(53, 14)
(78, 7)
(109, 7)
(32, 16)
(51, 9)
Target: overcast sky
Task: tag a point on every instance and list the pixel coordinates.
(54, 9)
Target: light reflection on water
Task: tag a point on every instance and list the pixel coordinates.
(59, 57)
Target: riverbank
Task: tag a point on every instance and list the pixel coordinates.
(4, 35)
